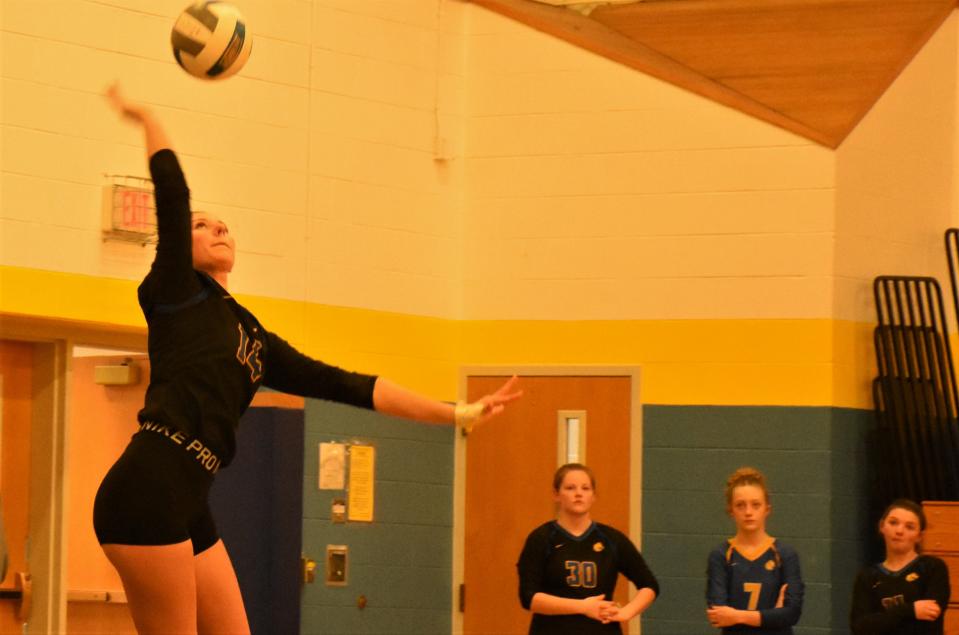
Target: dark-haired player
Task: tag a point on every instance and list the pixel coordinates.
(907, 593)
(754, 584)
(569, 566)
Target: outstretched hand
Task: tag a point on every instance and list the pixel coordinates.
(156, 138)
(124, 107)
(495, 403)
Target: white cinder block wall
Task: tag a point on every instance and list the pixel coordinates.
(321, 154)
(384, 127)
(428, 157)
(896, 180)
(599, 193)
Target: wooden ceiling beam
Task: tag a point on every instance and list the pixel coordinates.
(602, 40)
(814, 67)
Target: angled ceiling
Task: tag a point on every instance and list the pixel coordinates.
(814, 67)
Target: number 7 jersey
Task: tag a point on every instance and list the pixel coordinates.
(755, 584)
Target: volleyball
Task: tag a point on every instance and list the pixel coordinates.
(210, 40)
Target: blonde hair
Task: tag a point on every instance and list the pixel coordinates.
(745, 476)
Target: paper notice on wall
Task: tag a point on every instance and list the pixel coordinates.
(360, 501)
(332, 465)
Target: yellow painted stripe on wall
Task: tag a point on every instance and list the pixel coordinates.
(816, 362)
(69, 296)
(418, 352)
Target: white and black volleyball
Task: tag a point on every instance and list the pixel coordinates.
(210, 40)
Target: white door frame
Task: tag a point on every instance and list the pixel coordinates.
(46, 559)
(459, 460)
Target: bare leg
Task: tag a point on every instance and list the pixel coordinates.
(160, 585)
(220, 609)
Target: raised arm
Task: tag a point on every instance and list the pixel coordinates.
(172, 280)
(154, 134)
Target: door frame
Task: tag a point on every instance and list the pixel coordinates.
(459, 459)
(54, 340)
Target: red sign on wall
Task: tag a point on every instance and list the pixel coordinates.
(135, 209)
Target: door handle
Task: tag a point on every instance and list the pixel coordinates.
(309, 569)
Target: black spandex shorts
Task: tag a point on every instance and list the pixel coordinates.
(155, 494)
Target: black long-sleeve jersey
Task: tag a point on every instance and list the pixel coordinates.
(555, 562)
(882, 600)
(209, 355)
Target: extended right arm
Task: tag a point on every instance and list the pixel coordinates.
(172, 280)
(156, 138)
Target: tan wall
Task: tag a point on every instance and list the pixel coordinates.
(381, 162)
(596, 192)
(322, 155)
(896, 180)
(367, 145)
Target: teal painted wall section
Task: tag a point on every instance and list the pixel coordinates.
(853, 525)
(814, 459)
(402, 562)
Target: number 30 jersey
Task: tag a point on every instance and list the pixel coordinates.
(755, 584)
(555, 562)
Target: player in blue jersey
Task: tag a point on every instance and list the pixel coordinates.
(569, 566)
(754, 584)
(907, 593)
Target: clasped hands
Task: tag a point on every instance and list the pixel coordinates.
(599, 608)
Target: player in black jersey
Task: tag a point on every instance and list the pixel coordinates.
(907, 593)
(754, 583)
(208, 356)
(569, 566)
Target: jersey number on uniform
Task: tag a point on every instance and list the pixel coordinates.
(753, 589)
(581, 574)
(249, 355)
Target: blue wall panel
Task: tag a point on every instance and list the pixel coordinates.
(815, 461)
(402, 561)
